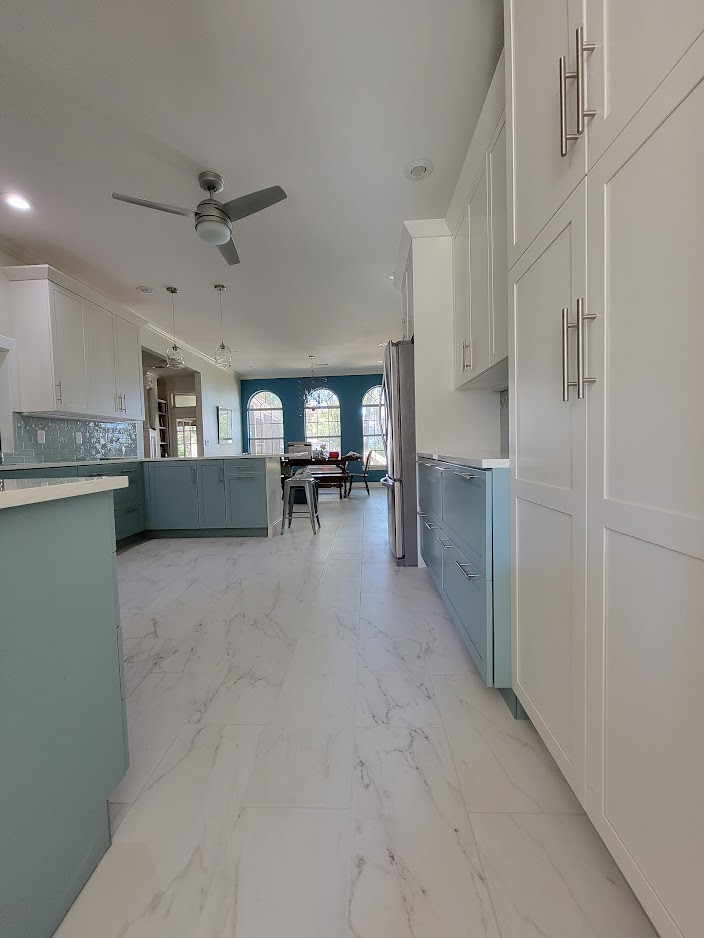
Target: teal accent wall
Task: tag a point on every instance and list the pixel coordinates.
(350, 390)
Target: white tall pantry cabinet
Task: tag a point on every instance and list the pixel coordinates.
(607, 492)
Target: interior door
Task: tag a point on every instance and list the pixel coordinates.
(101, 361)
(548, 491)
(69, 351)
(539, 179)
(637, 44)
(646, 501)
(129, 369)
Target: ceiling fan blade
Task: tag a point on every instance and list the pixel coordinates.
(229, 252)
(253, 202)
(159, 206)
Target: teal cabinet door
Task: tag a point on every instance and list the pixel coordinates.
(173, 495)
(211, 494)
(245, 482)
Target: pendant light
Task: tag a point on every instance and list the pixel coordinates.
(174, 355)
(223, 353)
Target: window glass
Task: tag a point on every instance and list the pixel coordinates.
(265, 419)
(373, 413)
(322, 419)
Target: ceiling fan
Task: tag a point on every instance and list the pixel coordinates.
(214, 219)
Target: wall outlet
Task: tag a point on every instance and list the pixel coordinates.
(41, 436)
(79, 438)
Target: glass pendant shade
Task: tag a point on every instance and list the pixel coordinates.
(223, 356)
(223, 353)
(174, 357)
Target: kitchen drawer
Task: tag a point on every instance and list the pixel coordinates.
(133, 495)
(471, 599)
(129, 521)
(431, 549)
(429, 488)
(466, 512)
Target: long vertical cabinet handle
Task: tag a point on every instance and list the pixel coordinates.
(59, 393)
(582, 317)
(564, 136)
(581, 49)
(565, 355)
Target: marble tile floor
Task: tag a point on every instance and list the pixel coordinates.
(314, 755)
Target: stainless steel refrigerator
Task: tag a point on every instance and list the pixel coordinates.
(399, 430)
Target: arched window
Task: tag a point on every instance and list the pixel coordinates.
(265, 417)
(373, 415)
(322, 419)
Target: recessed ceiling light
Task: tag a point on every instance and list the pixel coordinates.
(252, 366)
(392, 276)
(144, 289)
(16, 201)
(382, 345)
(380, 361)
(418, 169)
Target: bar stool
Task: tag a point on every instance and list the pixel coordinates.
(311, 492)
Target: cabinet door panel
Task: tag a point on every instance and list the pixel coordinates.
(637, 45)
(548, 492)
(499, 250)
(212, 495)
(537, 34)
(69, 351)
(174, 495)
(646, 507)
(479, 290)
(101, 361)
(460, 291)
(129, 369)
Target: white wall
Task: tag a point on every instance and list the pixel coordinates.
(218, 389)
(448, 422)
(8, 377)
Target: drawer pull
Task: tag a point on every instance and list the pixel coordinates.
(470, 576)
(466, 475)
(421, 514)
(430, 525)
(445, 546)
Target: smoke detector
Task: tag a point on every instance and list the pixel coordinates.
(418, 169)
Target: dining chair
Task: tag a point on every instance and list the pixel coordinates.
(360, 476)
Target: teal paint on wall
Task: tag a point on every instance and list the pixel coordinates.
(350, 390)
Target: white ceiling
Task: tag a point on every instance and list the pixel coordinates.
(326, 98)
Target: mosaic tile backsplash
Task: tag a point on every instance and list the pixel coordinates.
(99, 438)
(503, 422)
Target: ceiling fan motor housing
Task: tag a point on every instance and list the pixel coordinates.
(212, 224)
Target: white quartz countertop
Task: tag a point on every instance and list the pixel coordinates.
(16, 492)
(478, 461)
(118, 461)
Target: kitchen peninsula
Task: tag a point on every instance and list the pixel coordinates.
(63, 730)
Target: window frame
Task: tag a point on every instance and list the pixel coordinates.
(332, 441)
(379, 407)
(254, 443)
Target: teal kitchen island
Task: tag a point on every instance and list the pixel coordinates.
(63, 731)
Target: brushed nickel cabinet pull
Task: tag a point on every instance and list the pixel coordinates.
(582, 317)
(582, 48)
(470, 576)
(565, 137)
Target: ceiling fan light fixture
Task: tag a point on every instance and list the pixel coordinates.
(213, 230)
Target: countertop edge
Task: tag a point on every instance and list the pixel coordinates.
(51, 490)
(471, 462)
(118, 461)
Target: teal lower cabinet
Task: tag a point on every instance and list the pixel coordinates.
(211, 494)
(464, 538)
(210, 497)
(62, 716)
(246, 494)
(172, 495)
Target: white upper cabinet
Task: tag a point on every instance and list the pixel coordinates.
(538, 35)
(477, 219)
(69, 351)
(100, 345)
(73, 356)
(128, 366)
(636, 45)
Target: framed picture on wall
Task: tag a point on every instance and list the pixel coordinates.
(224, 425)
